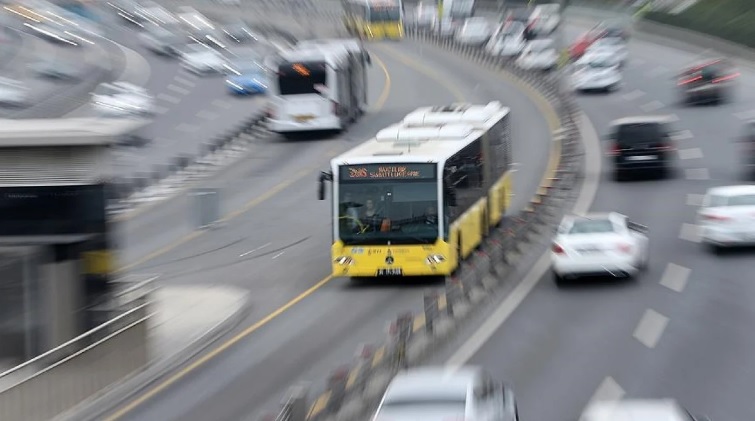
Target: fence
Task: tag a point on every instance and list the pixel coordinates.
(353, 390)
(61, 378)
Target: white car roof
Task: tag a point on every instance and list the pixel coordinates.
(595, 216)
(635, 410)
(423, 382)
(729, 191)
(642, 119)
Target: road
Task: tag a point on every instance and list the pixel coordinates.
(280, 255)
(191, 110)
(683, 329)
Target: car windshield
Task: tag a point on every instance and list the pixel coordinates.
(401, 211)
(591, 226)
(738, 200)
(639, 133)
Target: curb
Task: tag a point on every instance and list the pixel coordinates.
(355, 388)
(118, 394)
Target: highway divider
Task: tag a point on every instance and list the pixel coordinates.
(166, 180)
(354, 389)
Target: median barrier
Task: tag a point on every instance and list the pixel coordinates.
(484, 275)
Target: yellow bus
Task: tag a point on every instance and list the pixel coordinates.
(374, 19)
(420, 197)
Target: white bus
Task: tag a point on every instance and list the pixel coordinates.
(317, 88)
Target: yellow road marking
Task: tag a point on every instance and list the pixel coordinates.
(353, 375)
(380, 353)
(419, 322)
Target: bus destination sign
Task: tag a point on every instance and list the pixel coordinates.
(388, 172)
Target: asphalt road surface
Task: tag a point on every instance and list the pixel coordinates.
(279, 248)
(683, 329)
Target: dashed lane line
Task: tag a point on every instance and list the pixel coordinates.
(652, 106)
(675, 277)
(682, 135)
(207, 115)
(697, 174)
(169, 98)
(159, 109)
(690, 153)
(178, 89)
(651, 328)
(608, 390)
(631, 96)
(656, 71)
(221, 104)
(184, 81)
(690, 232)
(695, 199)
(745, 115)
(187, 128)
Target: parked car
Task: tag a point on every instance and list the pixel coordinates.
(539, 54)
(508, 41)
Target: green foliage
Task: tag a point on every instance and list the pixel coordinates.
(733, 20)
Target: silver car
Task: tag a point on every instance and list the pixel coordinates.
(639, 410)
(440, 394)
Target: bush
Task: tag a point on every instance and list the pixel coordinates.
(732, 20)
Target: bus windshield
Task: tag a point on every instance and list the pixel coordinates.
(399, 212)
(301, 78)
(385, 14)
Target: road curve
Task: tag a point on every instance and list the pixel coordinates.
(282, 256)
(682, 330)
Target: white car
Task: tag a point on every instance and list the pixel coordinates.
(545, 18)
(201, 59)
(613, 46)
(441, 394)
(13, 92)
(599, 244)
(600, 73)
(539, 54)
(161, 41)
(727, 217)
(638, 410)
(119, 99)
(474, 31)
(508, 41)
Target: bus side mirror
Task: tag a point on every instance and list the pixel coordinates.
(324, 176)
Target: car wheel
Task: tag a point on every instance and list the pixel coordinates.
(558, 280)
(716, 249)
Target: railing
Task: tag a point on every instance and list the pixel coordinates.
(63, 377)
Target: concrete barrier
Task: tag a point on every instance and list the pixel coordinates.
(58, 380)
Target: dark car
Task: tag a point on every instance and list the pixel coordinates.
(748, 152)
(711, 81)
(641, 144)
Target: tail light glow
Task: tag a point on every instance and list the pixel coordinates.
(615, 149)
(725, 78)
(336, 108)
(624, 248)
(714, 218)
(557, 249)
(690, 80)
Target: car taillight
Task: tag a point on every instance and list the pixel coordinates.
(557, 249)
(725, 78)
(690, 80)
(615, 149)
(624, 248)
(714, 218)
(666, 146)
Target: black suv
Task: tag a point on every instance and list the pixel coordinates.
(708, 82)
(641, 144)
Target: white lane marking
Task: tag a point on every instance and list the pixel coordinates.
(187, 128)
(221, 104)
(682, 135)
(631, 96)
(136, 70)
(695, 199)
(675, 277)
(255, 249)
(160, 109)
(697, 174)
(745, 115)
(278, 255)
(178, 89)
(592, 174)
(657, 71)
(651, 327)
(169, 98)
(652, 106)
(608, 390)
(690, 232)
(691, 153)
(184, 81)
(673, 118)
(207, 115)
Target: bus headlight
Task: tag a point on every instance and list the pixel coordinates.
(343, 260)
(434, 259)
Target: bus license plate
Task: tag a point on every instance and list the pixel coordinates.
(389, 272)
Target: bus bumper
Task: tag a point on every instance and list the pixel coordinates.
(392, 261)
(315, 124)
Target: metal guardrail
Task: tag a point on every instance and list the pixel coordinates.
(65, 376)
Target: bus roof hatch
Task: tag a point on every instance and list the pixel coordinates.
(403, 134)
(475, 115)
